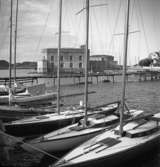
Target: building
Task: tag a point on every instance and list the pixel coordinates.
(71, 59)
(100, 63)
(42, 66)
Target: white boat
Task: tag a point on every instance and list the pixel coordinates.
(67, 138)
(34, 100)
(49, 122)
(4, 93)
(12, 113)
(28, 98)
(110, 149)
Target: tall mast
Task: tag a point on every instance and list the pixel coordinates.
(58, 56)
(86, 60)
(10, 55)
(15, 46)
(126, 32)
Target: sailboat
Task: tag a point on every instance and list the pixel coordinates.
(5, 90)
(22, 102)
(46, 123)
(31, 100)
(21, 98)
(19, 94)
(109, 148)
(128, 140)
(67, 138)
(49, 122)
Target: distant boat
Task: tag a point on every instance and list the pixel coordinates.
(34, 100)
(18, 94)
(22, 97)
(4, 94)
(4, 90)
(12, 113)
(106, 80)
(28, 103)
(82, 83)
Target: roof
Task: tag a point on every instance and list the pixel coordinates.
(71, 50)
(101, 56)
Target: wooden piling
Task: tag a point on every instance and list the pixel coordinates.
(97, 79)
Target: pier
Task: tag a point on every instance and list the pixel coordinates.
(78, 78)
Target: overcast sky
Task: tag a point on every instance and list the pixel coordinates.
(38, 27)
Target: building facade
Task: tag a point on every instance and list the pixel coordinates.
(71, 59)
(42, 66)
(100, 63)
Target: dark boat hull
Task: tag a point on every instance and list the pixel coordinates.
(46, 125)
(39, 127)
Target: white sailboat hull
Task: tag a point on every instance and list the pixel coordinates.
(34, 99)
(63, 144)
(5, 98)
(67, 138)
(100, 152)
(118, 158)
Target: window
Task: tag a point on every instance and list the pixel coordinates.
(52, 58)
(61, 58)
(71, 65)
(80, 65)
(61, 65)
(71, 58)
(80, 58)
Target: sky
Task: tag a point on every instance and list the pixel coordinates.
(38, 27)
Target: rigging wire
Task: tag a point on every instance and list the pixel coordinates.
(132, 11)
(97, 25)
(5, 35)
(43, 30)
(80, 21)
(109, 25)
(96, 5)
(115, 26)
(138, 25)
(143, 27)
(4, 25)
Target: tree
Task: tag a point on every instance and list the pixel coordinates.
(146, 62)
(4, 64)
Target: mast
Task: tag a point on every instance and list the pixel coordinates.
(58, 56)
(126, 32)
(86, 60)
(15, 46)
(10, 55)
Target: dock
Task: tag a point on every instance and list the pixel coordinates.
(78, 78)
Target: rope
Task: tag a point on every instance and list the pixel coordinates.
(97, 26)
(143, 27)
(116, 22)
(29, 145)
(5, 35)
(133, 7)
(44, 28)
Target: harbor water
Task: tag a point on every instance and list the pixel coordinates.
(139, 95)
